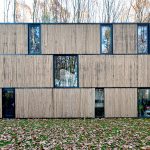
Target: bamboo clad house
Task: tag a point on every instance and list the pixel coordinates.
(74, 70)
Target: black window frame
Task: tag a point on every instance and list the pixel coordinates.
(29, 46)
(140, 88)
(56, 55)
(14, 91)
(103, 102)
(148, 38)
(111, 27)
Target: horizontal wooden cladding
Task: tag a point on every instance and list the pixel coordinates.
(108, 71)
(124, 38)
(13, 39)
(120, 102)
(70, 39)
(55, 103)
(26, 71)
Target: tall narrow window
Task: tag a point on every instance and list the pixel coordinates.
(144, 103)
(99, 102)
(8, 103)
(65, 70)
(106, 39)
(142, 39)
(34, 39)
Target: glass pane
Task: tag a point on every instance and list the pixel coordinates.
(106, 40)
(144, 103)
(99, 102)
(8, 102)
(142, 39)
(66, 71)
(34, 39)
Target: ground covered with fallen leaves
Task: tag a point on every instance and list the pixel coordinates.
(125, 133)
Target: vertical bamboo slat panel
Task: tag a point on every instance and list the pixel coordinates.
(55, 103)
(148, 71)
(108, 71)
(70, 39)
(142, 71)
(109, 75)
(92, 70)
(34, 103)
(131, 71)
(120, 102)
(119, 70)
(72, 103)
(124, 38)
(13, 39)
(0, 103)
(26, 71)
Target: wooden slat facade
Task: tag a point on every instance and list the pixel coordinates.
(55, 103)
(125, 39)
(109, 71)
(14, 39)
(119, 74)
(120, 102)
(70, 39)
(0, 103)
(26, 71)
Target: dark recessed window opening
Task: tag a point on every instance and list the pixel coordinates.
(99, 102)
(65, 71)
(8, 103)
(144, 103)
(142, 39)
(106, 39)
(34, 39)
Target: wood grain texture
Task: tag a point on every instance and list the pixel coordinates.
(70, 39)
(26, 71)
(34, 103)
(72, 103)
(55, 103)
(0, 103)
(13, 39)
(143, 71)
(124, 38)
(108, 71)
(120, 102)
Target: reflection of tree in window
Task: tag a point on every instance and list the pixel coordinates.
(34, 33)
(144, 102)
(106, 39)
(65, 71)
(142, 39)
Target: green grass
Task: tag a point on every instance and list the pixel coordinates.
(60, 134)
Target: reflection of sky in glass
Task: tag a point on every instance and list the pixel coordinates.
(142, 39)
(34, 39)
(66, 68)
(106, 39)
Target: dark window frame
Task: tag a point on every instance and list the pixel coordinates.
(14, 91)
(148, 38)
(29, 47)
(95, 102)
(56, 55)
(111, 27)
(140, 88)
